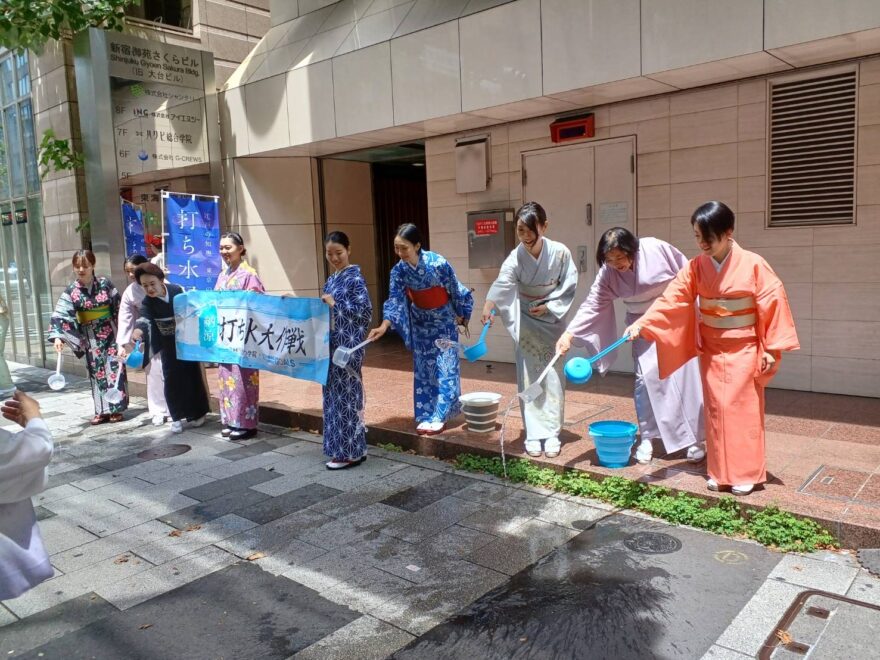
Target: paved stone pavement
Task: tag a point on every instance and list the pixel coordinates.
(255, 550)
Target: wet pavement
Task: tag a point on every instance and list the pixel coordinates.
(255, 550)
(823, 450)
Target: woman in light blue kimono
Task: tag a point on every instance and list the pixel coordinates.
(425, 303)
(533, 293)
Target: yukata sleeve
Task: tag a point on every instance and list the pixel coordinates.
(254, 283)
(24, 457)
(64, 326)
(127, 317)
(595, 323)
(560, 300)
(459, 295)
(671, 322)
(396, 308)
(674, 257)
(775, 323)
(504, 292)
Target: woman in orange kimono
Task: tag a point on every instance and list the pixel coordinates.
(740, 327)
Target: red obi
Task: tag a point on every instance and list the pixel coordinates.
(432, 298)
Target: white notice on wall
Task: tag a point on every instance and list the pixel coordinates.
(614, 213)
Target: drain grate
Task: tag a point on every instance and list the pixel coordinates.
(163, 451)
(652, 543)
(823, 625)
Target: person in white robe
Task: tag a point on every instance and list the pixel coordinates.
(24, 457)
(533, 294)
(637, 271)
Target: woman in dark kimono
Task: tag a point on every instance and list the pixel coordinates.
(85, 320)
(185, 391)
(345, 440)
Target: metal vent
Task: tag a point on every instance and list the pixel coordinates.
(813, 151)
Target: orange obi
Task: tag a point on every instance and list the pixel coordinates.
(432, 298)
(728, 313)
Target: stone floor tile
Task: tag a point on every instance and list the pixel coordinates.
(346, 503)
(721, 653)
(203, 512)
(6, 617)
(457, 541)
(160, 579)
(814, 574)
(485, 492)
(421, 495)
(432, 519)
(352, 528)
(45, 626)
(43, 513)
(77, 474)
(365, 639)
(60, 534)
(354, 478)
(184, 542)
(263, 509)
(124, 520)
(530, 542)
(61, 589)
(865, 587)
(367, 590)
(105, 547)
(226, 485)
(570, 514)
(274, 535)
(237, 467)
(240, 452)
(289, 482)
(56, 494)
(755, 622)
(507, 515)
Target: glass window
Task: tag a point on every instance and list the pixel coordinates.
(4, 173)
(24, 74)
(7, 81)
(30, 148)
(13, 144)
(42, 301)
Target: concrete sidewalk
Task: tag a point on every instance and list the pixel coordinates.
(823, 450)
(254, 550)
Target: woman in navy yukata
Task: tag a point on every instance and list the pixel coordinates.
(345, 436)
(426, 302)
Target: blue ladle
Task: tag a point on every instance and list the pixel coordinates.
(478, 350)
(579, 370)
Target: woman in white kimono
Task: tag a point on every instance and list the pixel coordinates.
(637, 271)
(24, 456)
(533, 294)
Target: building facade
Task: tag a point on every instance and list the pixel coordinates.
(359, 115)
(44, 220)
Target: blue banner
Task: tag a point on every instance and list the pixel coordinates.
(133, 230)
(289, 336)
(192, 243)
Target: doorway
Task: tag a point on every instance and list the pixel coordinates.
(586, 189)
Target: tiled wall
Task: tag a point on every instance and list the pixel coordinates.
(230, 29)
(711, 144)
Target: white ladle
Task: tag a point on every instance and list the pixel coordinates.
(534, 390)
(114, 395)
(342, 355)
(57, 381)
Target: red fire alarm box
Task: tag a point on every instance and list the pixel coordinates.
(573, 128)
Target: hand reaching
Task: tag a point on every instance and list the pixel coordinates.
(21, 408)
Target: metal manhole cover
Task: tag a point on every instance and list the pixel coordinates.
(653, 543)
(165, 451)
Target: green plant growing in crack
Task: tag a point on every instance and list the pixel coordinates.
(771, 527)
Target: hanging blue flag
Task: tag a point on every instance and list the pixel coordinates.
(133, 230)
(192, 242)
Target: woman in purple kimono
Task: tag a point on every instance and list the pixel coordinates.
(345, 440)
(239, 387)
(637, 271)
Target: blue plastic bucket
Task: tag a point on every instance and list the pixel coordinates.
(614, 440)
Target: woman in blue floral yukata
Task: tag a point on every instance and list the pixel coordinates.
(426, 302)
(345, 436)
(85, 320)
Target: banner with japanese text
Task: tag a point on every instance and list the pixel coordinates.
(133, 230)
(192, 241)
(288, 336)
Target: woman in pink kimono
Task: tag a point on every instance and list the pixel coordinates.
(129, 312)
(637, 271)
(239, 387)
(24, 457)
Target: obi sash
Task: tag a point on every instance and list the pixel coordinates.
(728, 313)
(166, 326)
(431, 298)
(91, 315)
